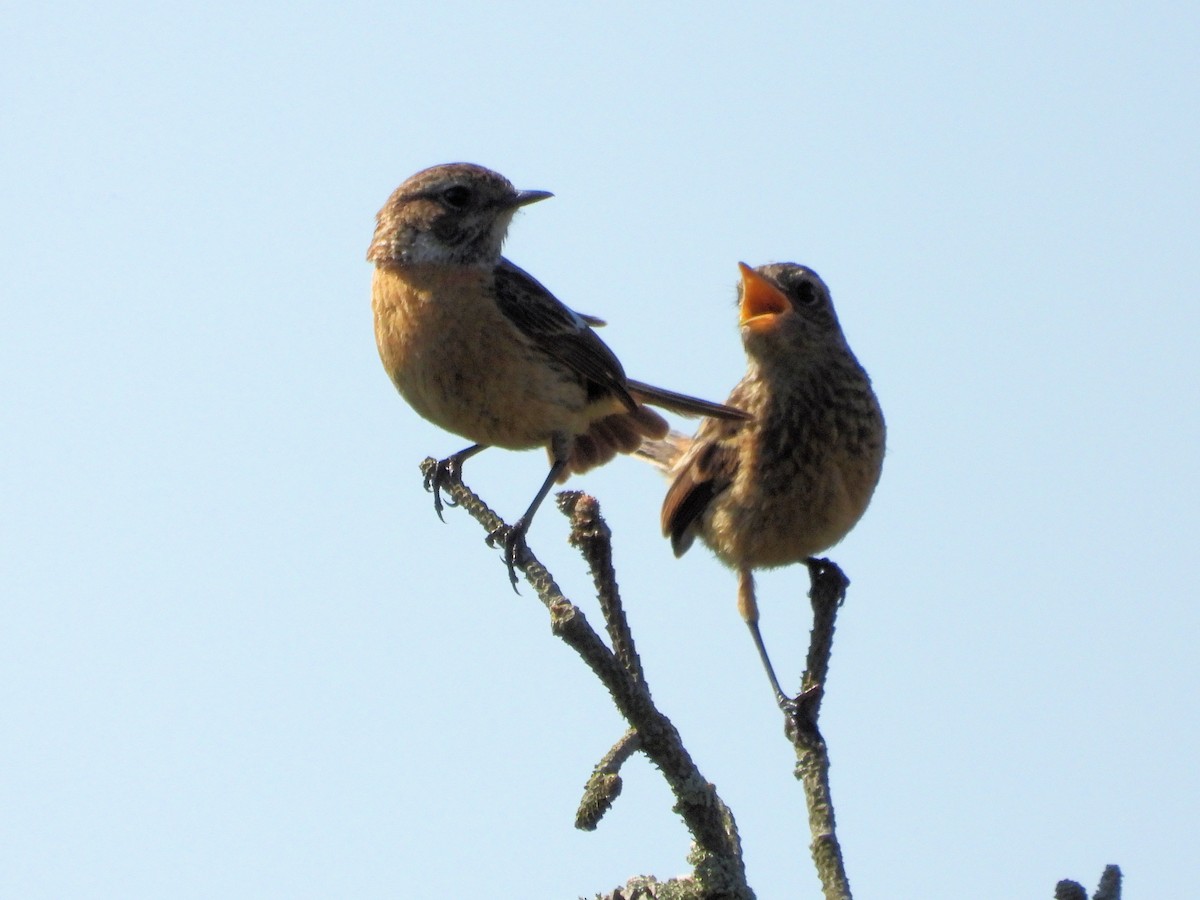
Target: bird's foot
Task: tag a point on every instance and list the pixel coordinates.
(800, 712)
(512, 538)
(445, 471)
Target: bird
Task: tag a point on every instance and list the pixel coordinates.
(479, 347)
(793, 480)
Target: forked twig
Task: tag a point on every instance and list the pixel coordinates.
(716, 857)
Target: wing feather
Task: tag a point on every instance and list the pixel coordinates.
(559, 332)
(705, 471)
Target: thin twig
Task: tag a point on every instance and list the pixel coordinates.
(1108, 889)
(717, 853)
(1110, 884)
(591, 534)
(604, 785)
(827, 593)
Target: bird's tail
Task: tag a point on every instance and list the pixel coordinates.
(622, 432)
(682, 403)
(664, 452)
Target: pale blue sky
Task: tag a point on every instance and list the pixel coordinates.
(241, 657)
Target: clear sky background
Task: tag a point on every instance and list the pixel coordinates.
(240, 657)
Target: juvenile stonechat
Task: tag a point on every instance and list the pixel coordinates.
(794, 480)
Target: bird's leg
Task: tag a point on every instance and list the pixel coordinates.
(448, 469)
(514, 535)
(748, 607)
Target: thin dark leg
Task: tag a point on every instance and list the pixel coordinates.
(785, 702)
(514, 536)
(448, 469)
(748, 607)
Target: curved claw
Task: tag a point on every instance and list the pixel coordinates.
(446, 470)
(515, 548)
(434, 480)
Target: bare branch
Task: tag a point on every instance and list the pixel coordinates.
(1069, 890)
(827, 594)
(592, 536)
(605, 784)
(716, 854)
(1109, 888)
(1110, 884)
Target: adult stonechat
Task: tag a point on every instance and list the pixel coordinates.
(480, 348)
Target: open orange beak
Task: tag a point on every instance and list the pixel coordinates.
(761, 300)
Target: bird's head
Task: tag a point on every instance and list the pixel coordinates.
(785, 306)
(453, 214)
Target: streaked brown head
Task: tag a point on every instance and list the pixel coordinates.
(453, 214)
(785, 304)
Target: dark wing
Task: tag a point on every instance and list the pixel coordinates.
(707, 469)
(559, 332)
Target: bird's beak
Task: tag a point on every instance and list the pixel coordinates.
(761, 300)
(524, 198)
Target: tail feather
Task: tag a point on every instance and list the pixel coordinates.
(682, 403)
(665, 452)
(621, 432)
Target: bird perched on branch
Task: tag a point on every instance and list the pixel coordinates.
(480, 348)
(795, 479)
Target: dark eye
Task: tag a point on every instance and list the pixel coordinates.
(456, 197)
(806, 293)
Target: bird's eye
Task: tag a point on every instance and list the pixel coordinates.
(456, 197)
(806, 293)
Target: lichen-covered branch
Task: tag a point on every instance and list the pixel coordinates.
(716, 854)
(1109, 888)
(591, 534)
(604, 785)
(716, 857)
(827, 593)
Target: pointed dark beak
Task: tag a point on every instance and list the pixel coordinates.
(524, 198)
